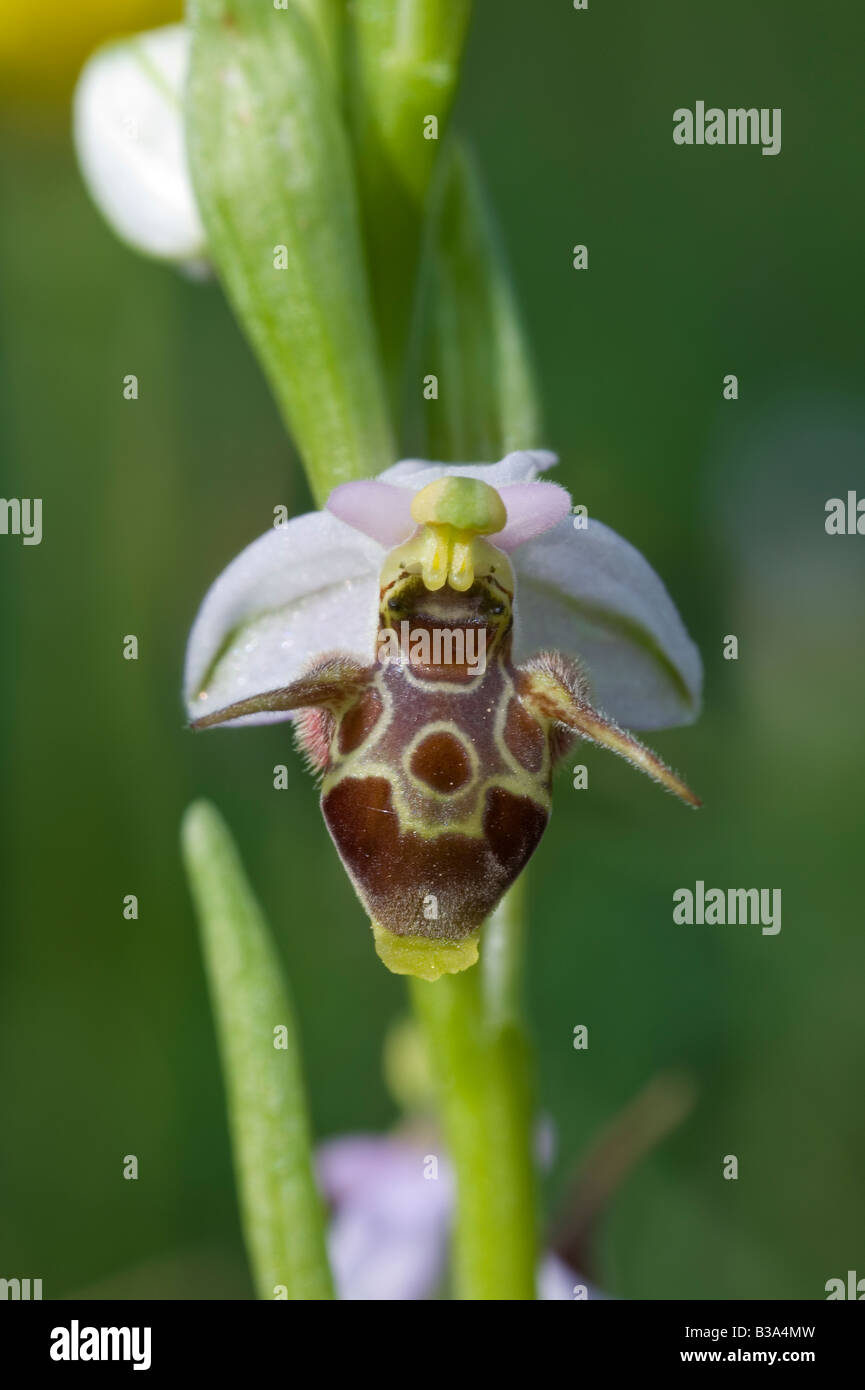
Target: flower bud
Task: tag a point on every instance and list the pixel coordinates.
(130, 141)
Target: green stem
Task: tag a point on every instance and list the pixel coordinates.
(503, 956)
(480, 1057)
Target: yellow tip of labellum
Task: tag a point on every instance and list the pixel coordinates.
(423, 957)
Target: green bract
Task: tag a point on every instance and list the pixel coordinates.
(276, 191)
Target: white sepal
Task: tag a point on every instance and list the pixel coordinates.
(301, 590)
(591, 595)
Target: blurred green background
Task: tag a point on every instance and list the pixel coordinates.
(701, 262)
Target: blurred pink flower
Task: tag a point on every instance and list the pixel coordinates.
(391, 1209)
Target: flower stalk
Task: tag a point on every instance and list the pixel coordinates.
(480, 1059)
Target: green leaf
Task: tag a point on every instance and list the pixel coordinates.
(275, 186)
(407, 56)
(472, 337)
(280, 1206)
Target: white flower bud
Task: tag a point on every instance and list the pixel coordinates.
(129, 136)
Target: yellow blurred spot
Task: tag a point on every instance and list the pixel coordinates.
(44, 43)
(407, 1068)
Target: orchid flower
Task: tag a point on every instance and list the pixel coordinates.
(391, 1213)
(389, 625)
(131, 146)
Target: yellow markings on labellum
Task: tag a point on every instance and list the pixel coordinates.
(424, 957)
(454, 513)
